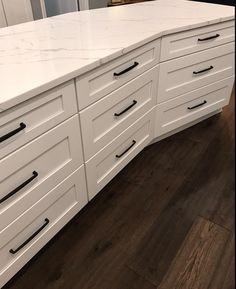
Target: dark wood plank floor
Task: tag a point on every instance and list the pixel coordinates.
(166, 221)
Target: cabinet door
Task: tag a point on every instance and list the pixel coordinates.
(3, 22)
(17, 11)
(57, 7)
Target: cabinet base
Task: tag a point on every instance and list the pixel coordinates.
(185, 126)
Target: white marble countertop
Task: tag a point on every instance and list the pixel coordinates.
(39, 55)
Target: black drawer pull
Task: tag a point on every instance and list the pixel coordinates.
(12, 251)
(15, 131)
(133, 143)
(127, 69)
(209, 38)
(35, 174)
(128, 108)
(204, 70)
(200, 104)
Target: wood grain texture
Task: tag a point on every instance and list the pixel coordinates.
(223, 276)
(198, 257)
(229, 282)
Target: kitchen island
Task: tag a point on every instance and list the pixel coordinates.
(83, 93)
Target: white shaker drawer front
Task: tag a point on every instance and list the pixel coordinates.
(190, 72)
(193, 105)
(101, 81)
(28, 120)
(23, 238)
(27, 174)
(108, 162)
(195, 40)
(110, 116)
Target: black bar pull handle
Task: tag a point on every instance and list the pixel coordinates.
(46, 222)
(203, 70)
(209, 38)
(127, 69)
(124, 152)
(15, 131)
(126, 109)
(9, 195)
(200, 104)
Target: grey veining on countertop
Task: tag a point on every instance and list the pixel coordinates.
(39, 55)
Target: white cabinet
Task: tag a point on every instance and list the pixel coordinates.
(183, 74)
(17, 11)
(193, 105)
(101, 168)
(96, 84)
(187, 42)
(42, 175)
(36, 116)
(110, 116)
(36, 168)
(26, 235)
(196, 76)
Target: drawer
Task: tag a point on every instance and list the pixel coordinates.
(195, 40)
(101, 81)
(41, 222)
(27, 174)
(110, 116)
(28, 120)
(190, 72)
(101, 168)
(193, 105)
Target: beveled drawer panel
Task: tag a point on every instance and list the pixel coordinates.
(184, 109)
(37, 115)
(101, 168)
(195, 40)
(110, 116)
(191, 72)
(52, 156)
(101, 81)
(42, 221)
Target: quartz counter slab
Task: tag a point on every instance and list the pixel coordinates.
(37, 56)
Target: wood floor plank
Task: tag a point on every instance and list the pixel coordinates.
(124, 278)
(223, 277)
(229, 282)
(198, 257)
(207, 191)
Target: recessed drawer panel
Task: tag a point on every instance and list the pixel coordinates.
(28, 120)
(193, 105)
(27, 174)
(195, 40)
(101, 81)
(101, 168)
(190, 72)
(110, 116)
(25, 236)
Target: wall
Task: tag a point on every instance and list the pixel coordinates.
(3, 22)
